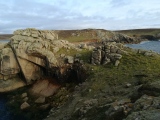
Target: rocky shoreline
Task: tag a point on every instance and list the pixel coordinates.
(50, 76)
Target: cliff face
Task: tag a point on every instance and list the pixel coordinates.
(32, 55)
(29, 54)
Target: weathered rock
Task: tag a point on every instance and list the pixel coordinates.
(30, 53)
(70, 59)
(25, 99)
(11, 84)
(83, 46)
(128, 85)
(24, 95)
(40, 100)
(107, 36)
(119, 109)
(24, 105)
(2, 45)
(44, 88)
(9, 64)
(144, 115)
(151, 88)
(109, 52)
(96, 56)
(117, 63)
(143, 103)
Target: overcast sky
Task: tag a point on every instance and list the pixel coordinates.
(78, 14)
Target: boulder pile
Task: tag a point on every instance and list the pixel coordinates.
(109, 52)
(30, 53)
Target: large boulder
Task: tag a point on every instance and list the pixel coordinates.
(31, 54)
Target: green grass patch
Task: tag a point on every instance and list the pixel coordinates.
(134, 68)
(84, 54)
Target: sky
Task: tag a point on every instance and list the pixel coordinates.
(78, 14)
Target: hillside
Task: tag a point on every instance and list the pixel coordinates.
(92, 34)
(89, 35)
(5, 36)
(95, 35)
(108, 81)
(143, 33)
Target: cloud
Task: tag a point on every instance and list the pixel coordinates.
(71, 14)
(119, 3)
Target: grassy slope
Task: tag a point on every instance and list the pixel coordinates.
(107, 82)
(131, 66)
(139, 32)
(83, 35)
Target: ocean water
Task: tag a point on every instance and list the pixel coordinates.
(4, 41)
(4, 113)
(147, 45)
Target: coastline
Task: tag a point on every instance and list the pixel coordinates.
(121, 76)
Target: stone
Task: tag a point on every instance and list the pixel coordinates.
(44, 107)
(151, 88)
(70, 59)
(40, 100)
(83, 46)
(49, 36)
(145, 102)
(62, 55)
(24, 95)
(9, 64)
(56, 49)
(109, 52)
(2, 45)
(45, 88)
(117, 63)
(150, 53)
(128, 85)
(11, 84)
(24, 105)
(144, 115)
(25, 99)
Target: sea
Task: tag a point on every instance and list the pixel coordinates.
(146, 45)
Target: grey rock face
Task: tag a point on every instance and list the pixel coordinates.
(110, 52)
(107, 36)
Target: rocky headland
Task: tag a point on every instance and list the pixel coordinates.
(146, 34)
(81, 74)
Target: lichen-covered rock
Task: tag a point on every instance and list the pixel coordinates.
(9, 64)
(109, 52)
(11, 84)
(31, 53)
(144, 115)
